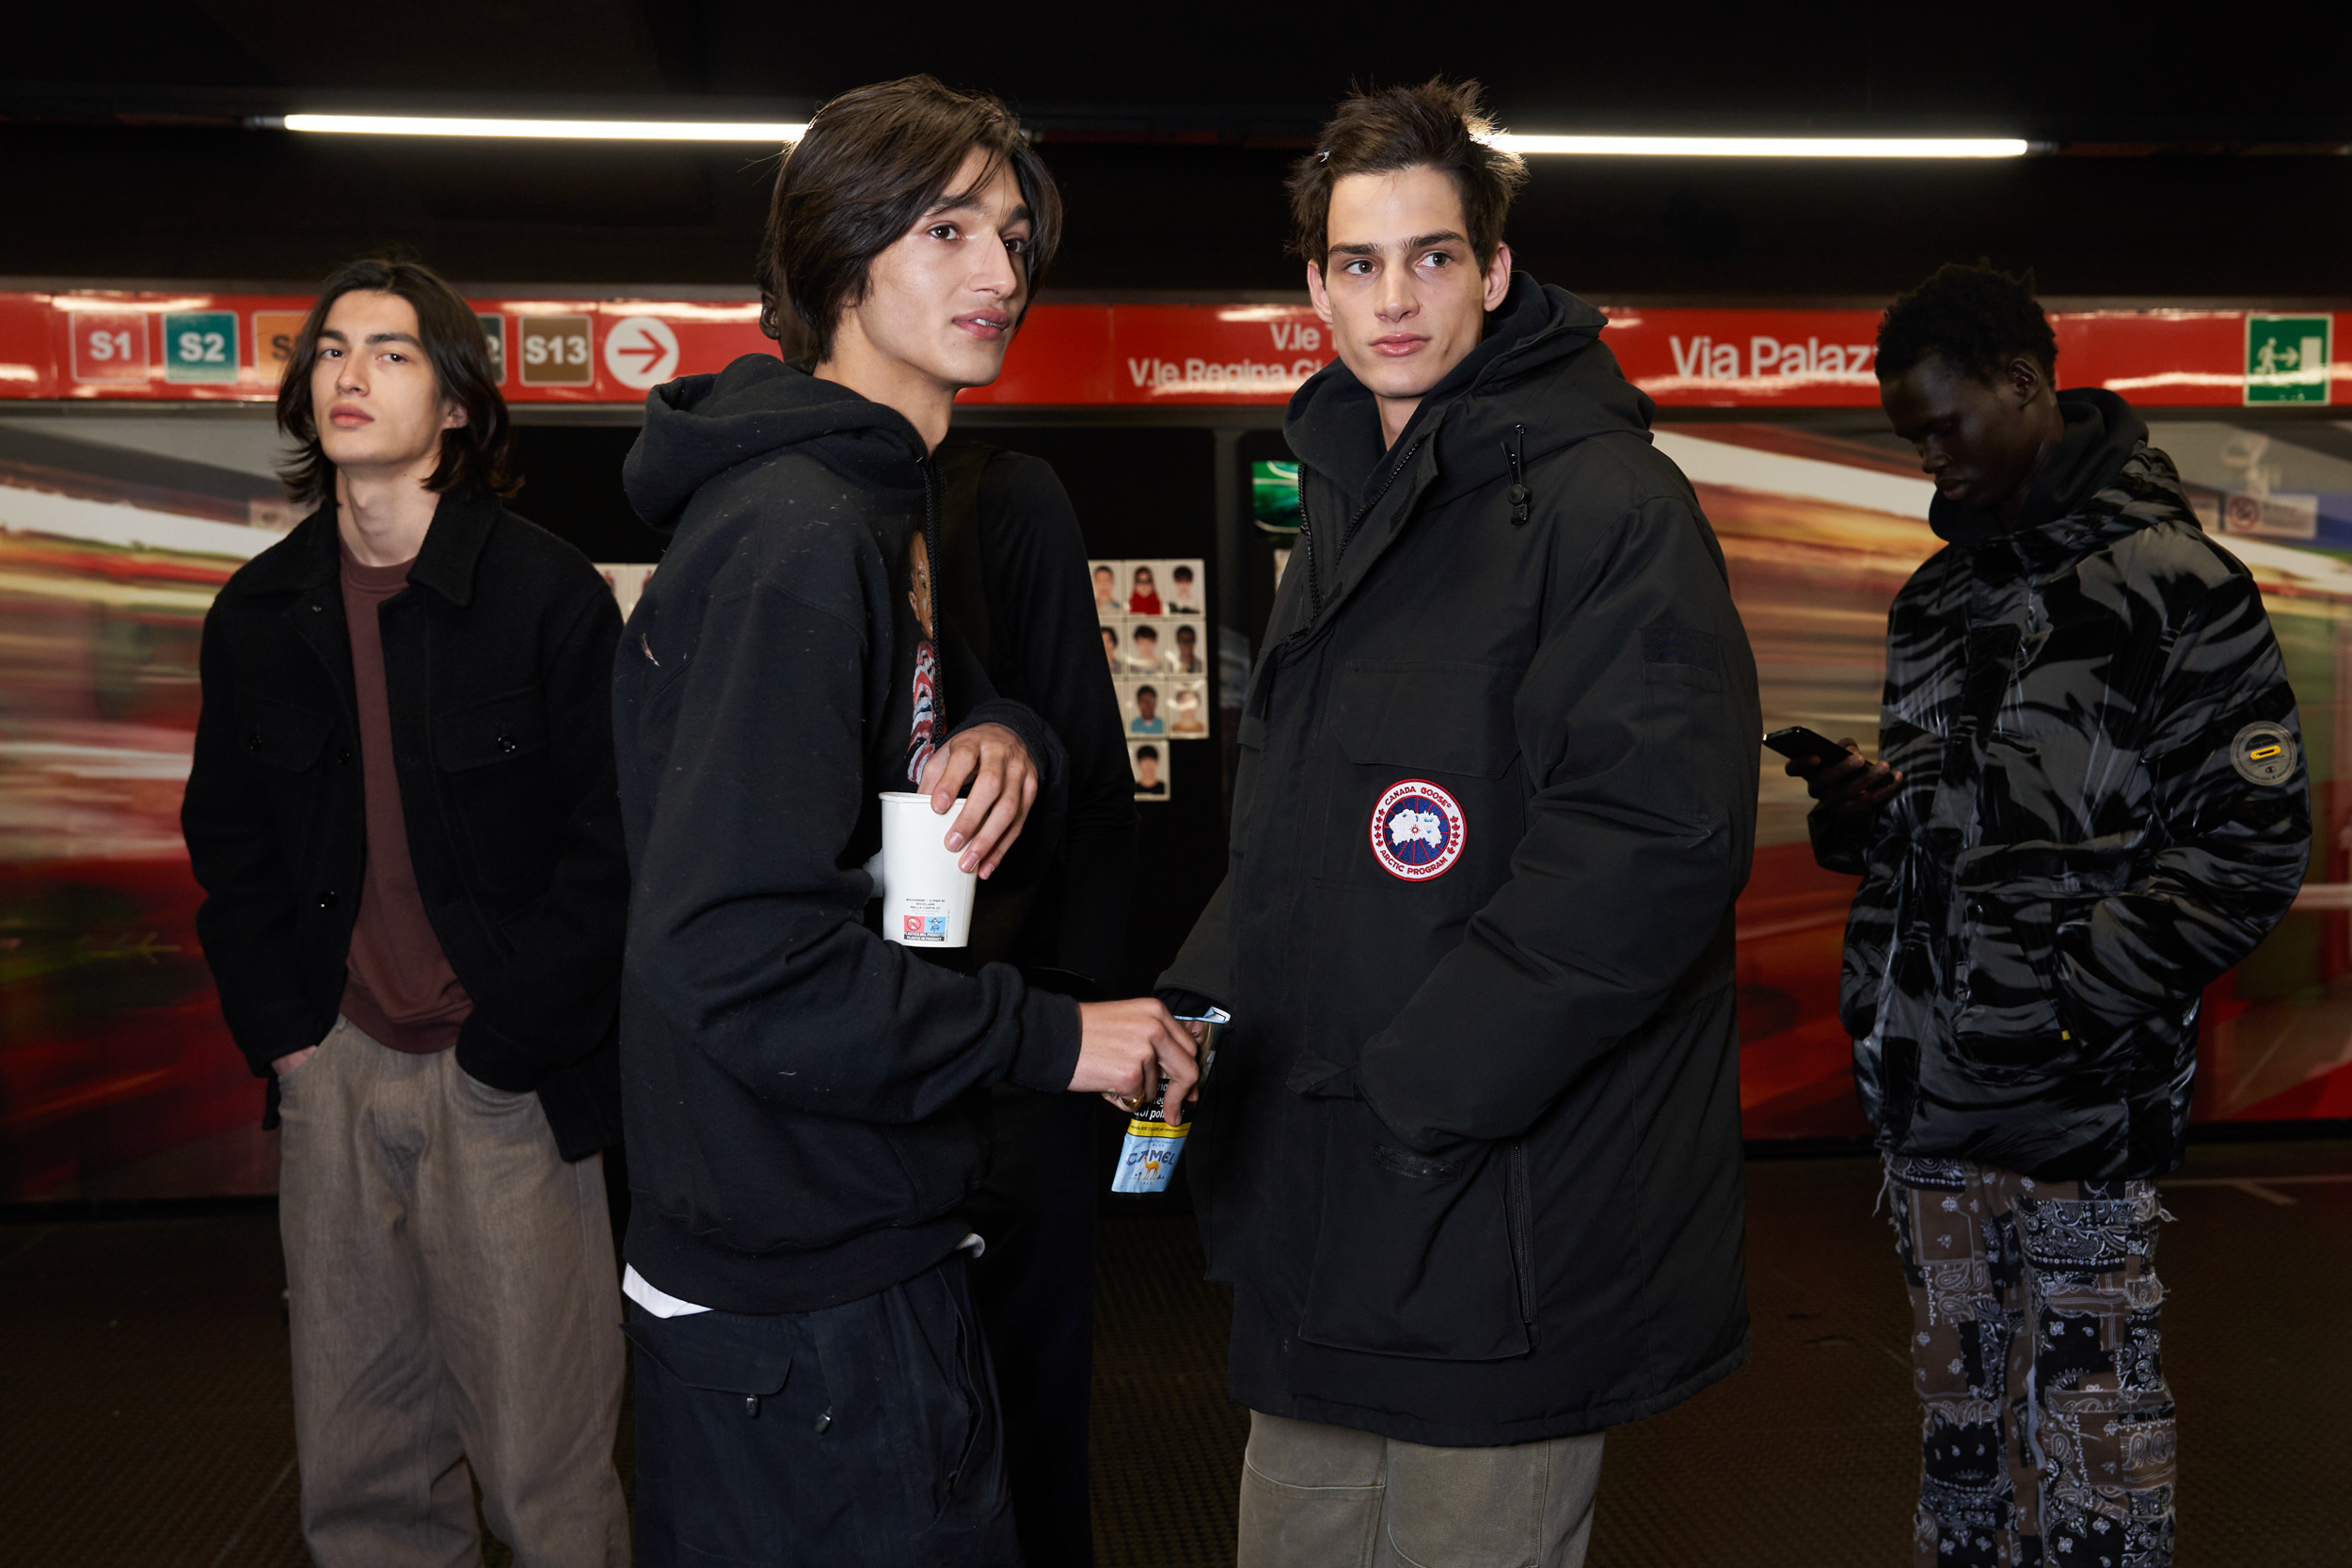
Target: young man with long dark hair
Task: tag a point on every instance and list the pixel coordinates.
(402, 812)
(807, 1102)
(1472, 1158)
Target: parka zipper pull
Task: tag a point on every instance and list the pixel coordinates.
(1521, 498)
(1307, 539)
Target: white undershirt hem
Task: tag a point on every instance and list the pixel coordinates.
(659, 1302)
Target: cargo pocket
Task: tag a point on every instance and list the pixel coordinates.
(727, 1370)
(1417, 1255)
(719, 1353)
(493, 758)
(1424, 799)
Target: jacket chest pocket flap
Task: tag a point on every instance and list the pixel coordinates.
(503, 729)
(507, 813)
(1426, 714)
(279, 734)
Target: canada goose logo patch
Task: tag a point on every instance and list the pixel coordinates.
(2264, 752)
(1417, 832)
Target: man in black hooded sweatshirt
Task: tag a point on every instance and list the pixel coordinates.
(1471, 1156)
(804, 1102)
(2090, 800)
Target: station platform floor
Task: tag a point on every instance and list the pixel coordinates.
(145, 1415)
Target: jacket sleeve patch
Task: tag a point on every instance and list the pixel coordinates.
(2264, 752)
(1680, 656)
(1663, 643)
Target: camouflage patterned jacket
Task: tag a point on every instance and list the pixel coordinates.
(2104, 808)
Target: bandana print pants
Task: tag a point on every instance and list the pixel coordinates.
(2047, 1429)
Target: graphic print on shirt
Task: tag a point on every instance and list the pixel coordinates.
(925, 732)
(1417, 832)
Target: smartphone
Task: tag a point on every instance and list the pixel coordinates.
(1798, 741)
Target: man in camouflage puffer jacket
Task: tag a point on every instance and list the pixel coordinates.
(2089, 802)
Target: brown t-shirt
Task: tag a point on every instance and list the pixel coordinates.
(397, 983)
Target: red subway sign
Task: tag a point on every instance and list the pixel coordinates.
(197, 345)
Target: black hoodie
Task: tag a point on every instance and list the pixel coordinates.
(801, 1096)
(1471, 1156)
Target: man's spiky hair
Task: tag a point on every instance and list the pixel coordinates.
(1975, 319)
(1439, 124)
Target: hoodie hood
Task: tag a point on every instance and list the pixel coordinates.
(1541, 370)
(2101, 434)
(699, 426)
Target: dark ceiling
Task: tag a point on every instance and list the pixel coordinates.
(2186, 162)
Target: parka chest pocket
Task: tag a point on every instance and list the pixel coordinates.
(492, 757)
(1424, 790)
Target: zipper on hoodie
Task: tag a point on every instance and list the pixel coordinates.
(1306, 532)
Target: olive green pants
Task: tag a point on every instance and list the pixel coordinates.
(1328, 1497)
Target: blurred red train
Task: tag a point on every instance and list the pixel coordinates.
(118, 1080)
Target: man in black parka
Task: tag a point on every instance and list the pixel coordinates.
(1471, 1157)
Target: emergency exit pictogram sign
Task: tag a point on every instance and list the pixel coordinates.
(2286, 358)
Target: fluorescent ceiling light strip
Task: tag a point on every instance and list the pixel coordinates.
(1767, 146)
(572, 129)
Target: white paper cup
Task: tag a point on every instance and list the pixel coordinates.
(926, 897)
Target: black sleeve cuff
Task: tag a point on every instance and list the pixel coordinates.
(490, 1057)
(1032, 855)
(1048, 1057)
(1837, 844)
(1044, 747)
(1185, 1004)
(282, 1033)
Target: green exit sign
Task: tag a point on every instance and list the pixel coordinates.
(200, 346)
(2286, 358)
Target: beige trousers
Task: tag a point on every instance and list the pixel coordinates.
(454, 1305)
(1329, 1496)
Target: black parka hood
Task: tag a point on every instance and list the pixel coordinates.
(699, 426)
(2101, 434)
(1541, 366)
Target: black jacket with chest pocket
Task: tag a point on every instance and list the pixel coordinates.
(1472, 1158)
(804, 1100)
(2103, 807)
(497, 668)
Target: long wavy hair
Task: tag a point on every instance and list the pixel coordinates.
(475, 454)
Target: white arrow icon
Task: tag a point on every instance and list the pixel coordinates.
(641, 352)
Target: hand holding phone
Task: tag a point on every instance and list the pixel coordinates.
(1835, 771)
(1798, 743)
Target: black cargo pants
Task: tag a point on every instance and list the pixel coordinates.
(863, 1435)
